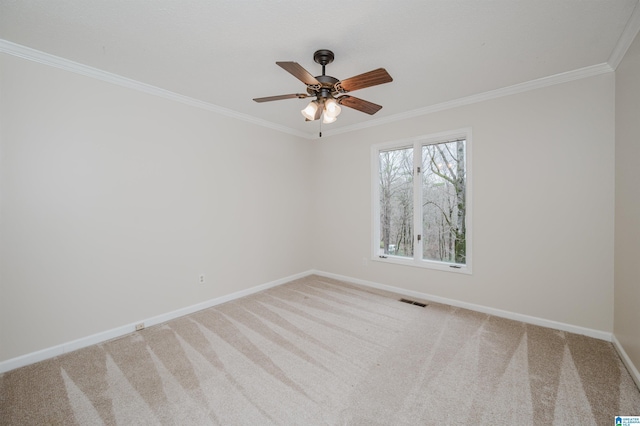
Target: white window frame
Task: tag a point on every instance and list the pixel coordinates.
(417, 143)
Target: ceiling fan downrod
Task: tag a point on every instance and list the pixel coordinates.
(323, 57)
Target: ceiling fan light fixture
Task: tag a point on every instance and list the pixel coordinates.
(310, 110)
(332, 108)
(327, 119)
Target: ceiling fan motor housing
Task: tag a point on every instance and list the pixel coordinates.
(326, 88)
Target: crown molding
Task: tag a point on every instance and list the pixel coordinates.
(539, 83)
(629, 34)
(75, 67)
(78, 68)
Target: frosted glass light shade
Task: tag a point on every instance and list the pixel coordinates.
(332, 108)
(310, 111)
(328, 118)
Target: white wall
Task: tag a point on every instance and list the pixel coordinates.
(627, 231)
(114, 201)
(543, 203)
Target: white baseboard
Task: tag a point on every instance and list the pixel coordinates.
(598, 334)
(41, 355)
(635, 374)
(54, 351)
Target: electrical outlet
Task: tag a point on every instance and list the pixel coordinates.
(201, 279)
(140, 326)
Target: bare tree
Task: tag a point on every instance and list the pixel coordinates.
(387, 178)
(444, 201)
(396, 201)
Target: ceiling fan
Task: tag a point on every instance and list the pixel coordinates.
(328, 91)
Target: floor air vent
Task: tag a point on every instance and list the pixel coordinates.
(413, 302)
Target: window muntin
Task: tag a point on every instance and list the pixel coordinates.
(421, 198)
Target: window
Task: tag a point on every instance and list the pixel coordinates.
(422, 202)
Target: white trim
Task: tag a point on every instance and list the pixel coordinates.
(635, 374)
(83, 342)
(628, 35)
(597, 334)
(539, 83)
(54, 351)
(65, 64)
(87, 71)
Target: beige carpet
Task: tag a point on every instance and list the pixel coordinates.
(317, 351)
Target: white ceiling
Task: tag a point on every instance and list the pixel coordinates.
(224, 52)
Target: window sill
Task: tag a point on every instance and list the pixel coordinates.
(425, 264)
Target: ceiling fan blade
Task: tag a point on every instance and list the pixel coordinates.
(368, 79)
(359, 104)
(298, 72)
(280, 97)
